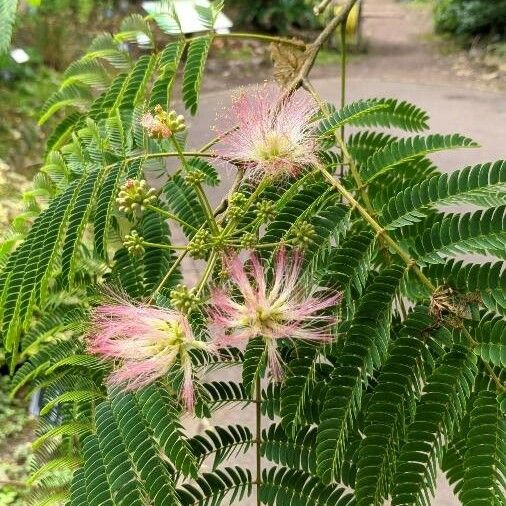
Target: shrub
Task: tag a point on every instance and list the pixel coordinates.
(470, 17)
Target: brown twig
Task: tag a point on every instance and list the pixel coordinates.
(312, 49)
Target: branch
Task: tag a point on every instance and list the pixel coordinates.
(312, 49)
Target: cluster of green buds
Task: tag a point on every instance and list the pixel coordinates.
(266, 210)
(236, 204)
(133, 242)
(172, 119)
(248, 240)
(195, 177)
(200, 244)
(184, 299)
(163, 124)
(134, 196)
(303, 234)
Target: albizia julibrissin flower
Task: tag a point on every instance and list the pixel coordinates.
(147, 341)
(273, 135)
(282, 309)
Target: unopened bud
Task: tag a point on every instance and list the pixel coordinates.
(236, 205)
(200, 245)
(266, 210)
(195, 177)
(248, 240)
(134, 196)
(303, 234)
(184, 299)
(133, 242)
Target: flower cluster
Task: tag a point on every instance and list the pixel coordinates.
(274, 136)
(162, 124)
(148, 341)
(134, 196)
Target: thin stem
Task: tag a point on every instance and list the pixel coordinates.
(207, 273)
(262, 37)
(258, 412)
(216, 139)
(343, 75)
(171, 271)
(170, 216)
(204, 202)
(313, 49)
(321, 7)
(355, 174)
(410, 262)
(162, 246)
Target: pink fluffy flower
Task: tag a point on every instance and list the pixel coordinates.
(273, 135)
(147, 341)
(277, 310)
(155, 127)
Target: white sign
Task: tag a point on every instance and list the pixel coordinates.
(19, 55)
(186, 14)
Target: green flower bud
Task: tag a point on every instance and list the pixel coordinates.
(175, 122)
(133, 242)
(219, 241)
(184, 299)
(248, 240)
(303, 234)
(266, 210)
(200, 245)
(134, 196)
(195, 177)
(236, 205)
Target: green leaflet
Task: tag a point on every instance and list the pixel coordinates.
(376, 112)
(481, 232)
(183, 202)
(405, 149)
(296, 453)
(364, 349)
(490, 335)
(222, 442)
(289, 486)
(485, 456)
(34, 264)
(437, 416)
(483, 185)
(8, 10)
(162, 417)
(466, 276)
(389, 410)
(230, 483)
(255, 363)
(169, 62)
(194, 71)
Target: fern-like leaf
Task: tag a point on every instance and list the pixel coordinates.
(402, 150)
(194, 71)
(437, 416)
(483, 185)
(485, 458)
(365, 348)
